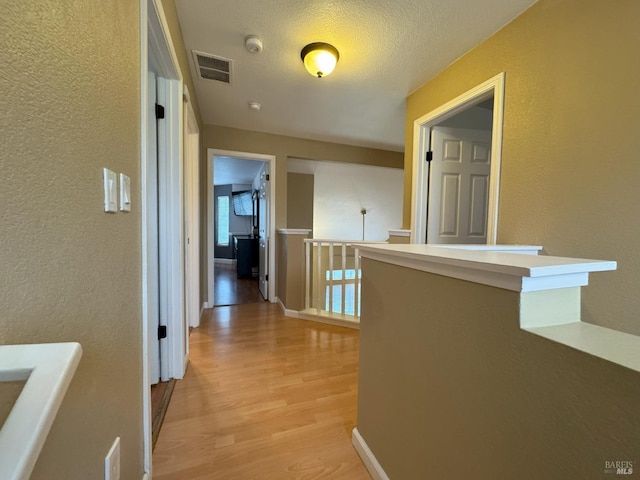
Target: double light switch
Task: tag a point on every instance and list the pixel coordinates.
(111, 192)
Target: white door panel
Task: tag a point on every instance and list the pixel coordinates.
(459, 185)
(152, 243)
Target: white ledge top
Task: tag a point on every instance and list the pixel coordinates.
(294, 231)
(500, 267)
(47, 370)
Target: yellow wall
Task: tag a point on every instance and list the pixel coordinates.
(570, 169)
(69, 97)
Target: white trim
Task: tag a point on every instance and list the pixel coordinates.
(156, 48)
(294, 231)
(192, 212)
(211, 152)
(336, 319)
(368, 458)
(47, 370)
(617, 347)
(144, 101)
(287, 311)
(145, 476)
(399, 233)
(519, 273)
(419, 188)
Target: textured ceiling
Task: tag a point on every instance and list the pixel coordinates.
(228, 170)
(387, 50)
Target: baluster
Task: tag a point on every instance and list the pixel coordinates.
(307, 264)
(330, 278)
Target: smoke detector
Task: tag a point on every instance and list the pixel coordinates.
(253, 43)
(255, 106)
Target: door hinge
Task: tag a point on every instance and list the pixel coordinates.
(267, 177)
(429, 156)
(162, 332)
(159, 111)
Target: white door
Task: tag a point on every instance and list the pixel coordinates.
(263, 232)
(459, 185)
(192, 221)
(152, 246)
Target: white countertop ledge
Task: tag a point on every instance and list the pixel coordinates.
(47, 369)
(511, 271)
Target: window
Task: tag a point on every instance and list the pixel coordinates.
(223, 220)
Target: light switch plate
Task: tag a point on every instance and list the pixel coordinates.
(110, 191)
(125, 193)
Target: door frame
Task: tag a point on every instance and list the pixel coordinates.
(421, 145)
(156, 48)
(212, 152)
(192, 214)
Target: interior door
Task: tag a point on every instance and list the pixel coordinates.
(459, 186)
(153, 275)
(263, 232)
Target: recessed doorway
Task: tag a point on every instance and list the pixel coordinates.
(427, 201)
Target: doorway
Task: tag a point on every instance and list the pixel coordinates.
(431, 189)
(241, 260)
(238, 218)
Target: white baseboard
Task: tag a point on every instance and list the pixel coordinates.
(228, 261)
(287, 312)
(367, 457)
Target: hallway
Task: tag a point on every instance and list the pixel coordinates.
(264, 397)
(231, 290)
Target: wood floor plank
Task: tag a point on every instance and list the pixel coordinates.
(265, 397)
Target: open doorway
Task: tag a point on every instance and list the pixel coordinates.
(240, 226)
(236, 229)
(442, 192)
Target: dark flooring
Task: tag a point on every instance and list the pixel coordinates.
(231, 290)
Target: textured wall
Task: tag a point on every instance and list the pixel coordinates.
(299, 200)
(570, 171)
(69, 97)
(451, 388)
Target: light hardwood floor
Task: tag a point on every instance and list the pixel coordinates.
(265, 397)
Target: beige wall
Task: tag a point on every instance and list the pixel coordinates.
(69, 97)
(570, 170)
(451, 387)
(299, 200)
(291, 270)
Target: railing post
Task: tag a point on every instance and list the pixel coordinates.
(330, 309)
(319, 281)
(356, 284)
(343, 305)
(307, 266)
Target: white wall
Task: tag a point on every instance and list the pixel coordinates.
(341, 190)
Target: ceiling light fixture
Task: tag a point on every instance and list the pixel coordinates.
(319, 58)
(255, 106)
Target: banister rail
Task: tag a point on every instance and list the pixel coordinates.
(332, 274)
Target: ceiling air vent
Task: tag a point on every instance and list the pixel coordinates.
(211, 67)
